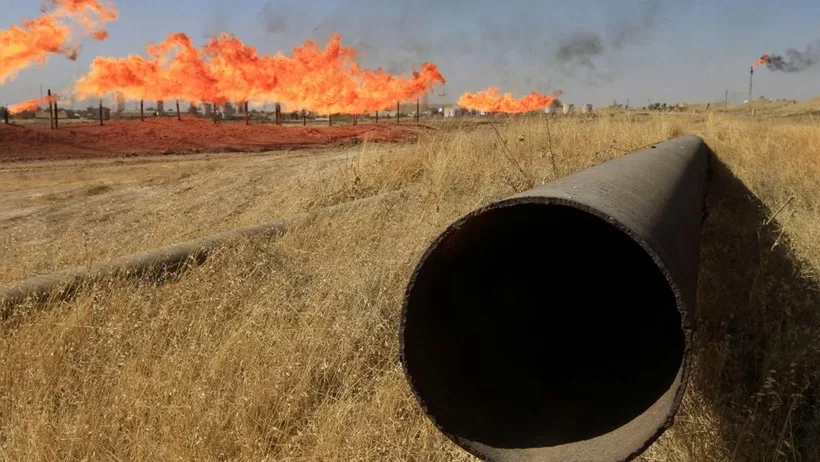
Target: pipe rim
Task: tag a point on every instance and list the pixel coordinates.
(547, 200)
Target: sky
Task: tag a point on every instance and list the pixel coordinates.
(595, 51)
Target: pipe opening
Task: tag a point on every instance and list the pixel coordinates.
(536, 325)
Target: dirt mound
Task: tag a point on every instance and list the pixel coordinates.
(170, 136)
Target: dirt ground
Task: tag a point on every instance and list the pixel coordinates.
(118, 138)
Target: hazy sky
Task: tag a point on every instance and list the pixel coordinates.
(596, 51)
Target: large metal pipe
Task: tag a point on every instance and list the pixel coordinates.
(557, 324)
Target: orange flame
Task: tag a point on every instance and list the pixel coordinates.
(763, 60)
(32, 104)
(491, 100)
(324, 80)
(32, 41)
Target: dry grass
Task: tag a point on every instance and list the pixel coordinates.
(61, 214)
(286, 350)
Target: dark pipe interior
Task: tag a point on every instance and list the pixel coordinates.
(538, 325)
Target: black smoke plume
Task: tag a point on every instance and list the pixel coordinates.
(579, 51)
(580, 48)
(795, 60)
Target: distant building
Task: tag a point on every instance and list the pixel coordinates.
(161, 108)
(228, 111)
(453, 111)
(106, 113)
(130, 114)
(586, 109)
(120, 102)
(61, 114)
(208, 109)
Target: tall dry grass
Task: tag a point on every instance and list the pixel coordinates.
(286, 350)
(60, 214)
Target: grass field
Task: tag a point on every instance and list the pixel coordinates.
(286, 350)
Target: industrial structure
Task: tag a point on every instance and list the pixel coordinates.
(228, 111)
(120, 103)
(95, 112)
(453, 111)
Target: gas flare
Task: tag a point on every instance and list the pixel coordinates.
(491, 100)
(327, 80)
(763, 60)
(32, 104)
(50, 33)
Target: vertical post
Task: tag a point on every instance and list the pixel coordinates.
(101, 114)
(56, 113)
(50, 110)
(377, 117)
(329, 119)
(304, 117)
(418, 113)
(726, 102)
(355, 119)
(6, 114)
(398, 108)
(142, 112)
(247, 114)
(179, 116)
(751, 76)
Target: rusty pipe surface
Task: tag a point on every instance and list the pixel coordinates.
(557, 324)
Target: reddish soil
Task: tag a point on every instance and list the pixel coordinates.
(170, 136)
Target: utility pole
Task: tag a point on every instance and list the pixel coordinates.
(56, 114)
(50, 110)
(726, 102)
(751, 76)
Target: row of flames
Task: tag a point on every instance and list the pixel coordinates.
(325, 80)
